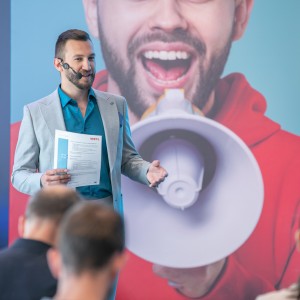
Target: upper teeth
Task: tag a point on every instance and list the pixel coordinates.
(167, 55)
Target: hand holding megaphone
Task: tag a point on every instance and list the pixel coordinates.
(191, 282)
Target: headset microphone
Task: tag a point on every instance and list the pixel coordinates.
(66, 66)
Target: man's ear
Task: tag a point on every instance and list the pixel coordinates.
(21, 225)
(242, 14)
(119, 261)
(54, 262)
(91, 16)
(57, 64)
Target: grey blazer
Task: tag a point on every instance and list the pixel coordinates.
(35, 147)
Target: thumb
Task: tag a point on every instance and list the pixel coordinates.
(155, 163)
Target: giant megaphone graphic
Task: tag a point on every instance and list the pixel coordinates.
(208, 205)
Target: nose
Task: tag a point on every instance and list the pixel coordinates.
(167, 16)
(86, 64)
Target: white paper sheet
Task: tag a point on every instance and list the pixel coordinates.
(80, 154)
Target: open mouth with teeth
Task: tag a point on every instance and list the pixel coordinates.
(167, 65)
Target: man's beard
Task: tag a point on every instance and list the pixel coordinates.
(72, 77)
(127, 80)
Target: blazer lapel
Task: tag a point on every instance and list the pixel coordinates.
(110, 118)
(52, 113)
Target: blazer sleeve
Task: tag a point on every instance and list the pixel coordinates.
(25, 176)
(133, 164)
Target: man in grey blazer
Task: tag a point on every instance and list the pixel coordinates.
(76, 107)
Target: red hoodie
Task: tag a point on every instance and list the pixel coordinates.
(268, 259)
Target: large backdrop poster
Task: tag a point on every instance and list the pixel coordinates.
(209, 84)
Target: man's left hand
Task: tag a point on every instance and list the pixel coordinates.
(156, 174)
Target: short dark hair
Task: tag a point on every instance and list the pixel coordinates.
(71, 34)
(51, 203)
(90, 234)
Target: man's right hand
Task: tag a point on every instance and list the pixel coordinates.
(54, 177)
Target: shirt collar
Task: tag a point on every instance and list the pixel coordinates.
(65, 99)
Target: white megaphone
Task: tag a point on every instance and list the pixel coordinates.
(212, 199)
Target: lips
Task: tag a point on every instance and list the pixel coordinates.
(167, 66)
(87, 74)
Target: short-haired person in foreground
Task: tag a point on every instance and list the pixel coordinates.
(24, 272)
(90, 252)
(152, 45)
(290, 293)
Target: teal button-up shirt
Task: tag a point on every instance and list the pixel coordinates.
(90, 124)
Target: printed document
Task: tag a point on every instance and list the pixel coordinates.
(80, 154)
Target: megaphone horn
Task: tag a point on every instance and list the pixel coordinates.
(208, 205)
